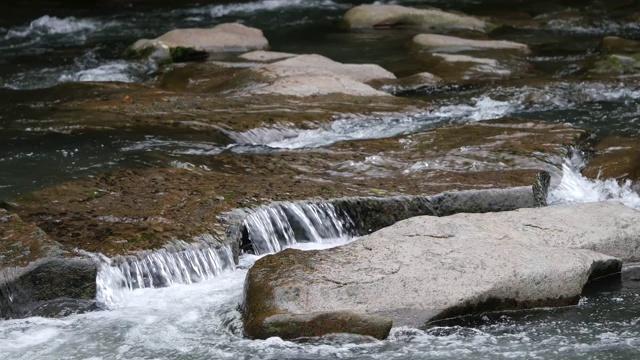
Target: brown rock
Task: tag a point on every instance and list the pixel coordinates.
(614, 44)
(615, 158)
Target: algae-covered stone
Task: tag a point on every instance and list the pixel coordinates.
(429, 268)
(616, 64)
(376, 16)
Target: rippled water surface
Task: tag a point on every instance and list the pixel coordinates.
(42, 49)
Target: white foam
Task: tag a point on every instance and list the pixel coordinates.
(575, 188)
(51, 25)
(216, 11)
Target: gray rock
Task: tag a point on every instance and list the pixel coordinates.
(180, 44)
(370, 16)
(428, 268)
(452, 44)
(310, 75)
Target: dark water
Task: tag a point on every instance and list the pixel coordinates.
(45, 44)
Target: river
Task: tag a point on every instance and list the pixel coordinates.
(201, 320)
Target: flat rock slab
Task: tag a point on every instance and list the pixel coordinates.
(443, 43)
(377, 16)
(427, 268)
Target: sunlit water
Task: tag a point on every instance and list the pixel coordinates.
(201, 320)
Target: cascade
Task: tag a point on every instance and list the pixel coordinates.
(271, 228)
(178, 263)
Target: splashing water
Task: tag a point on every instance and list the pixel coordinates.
(179, 263)
(574, 188)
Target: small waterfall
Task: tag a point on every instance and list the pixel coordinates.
(178, 263)
(270, 229)
(575, 188)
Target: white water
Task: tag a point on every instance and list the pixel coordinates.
(89, 67)
(273, 228)
(216, 11)
(202, 320)
(180, 263)
(575, 188)
(51, 25)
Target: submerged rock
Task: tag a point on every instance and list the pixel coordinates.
(614, 44)
(452, 44)
(615, 157)
(194, 44)
(464, 68)
(428, 268)
(381, 16)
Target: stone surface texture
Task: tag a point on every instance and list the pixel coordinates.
(428, 268)
(370, 16)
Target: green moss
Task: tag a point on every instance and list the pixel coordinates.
(136, 54)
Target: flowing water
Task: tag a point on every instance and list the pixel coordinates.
(182, 302)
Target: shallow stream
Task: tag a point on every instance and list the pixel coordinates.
(201, 320)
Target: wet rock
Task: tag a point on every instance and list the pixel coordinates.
(459, 68)
(195, 44)
(617, 65)
(614, 44)
(127, 211)
(48, 287)
(615, 157)
(476, 263)
(265, 56)
(451, 44)
(356, 72)
(22, 243)
(37, 276)
(312, 75)
(383, 16)
(207, 107)
(312, 83)
(409, 83)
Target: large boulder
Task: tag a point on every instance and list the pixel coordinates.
(192, 44)
(449, 44)
(376, 16)
(428, 268)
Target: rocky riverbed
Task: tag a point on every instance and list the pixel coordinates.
(167, 154)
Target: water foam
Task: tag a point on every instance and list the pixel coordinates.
(575, 188)
(178, 263)
(51, 25)
(217, 11)
(87, 68)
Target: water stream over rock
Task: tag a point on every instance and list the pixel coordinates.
(73, 109)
